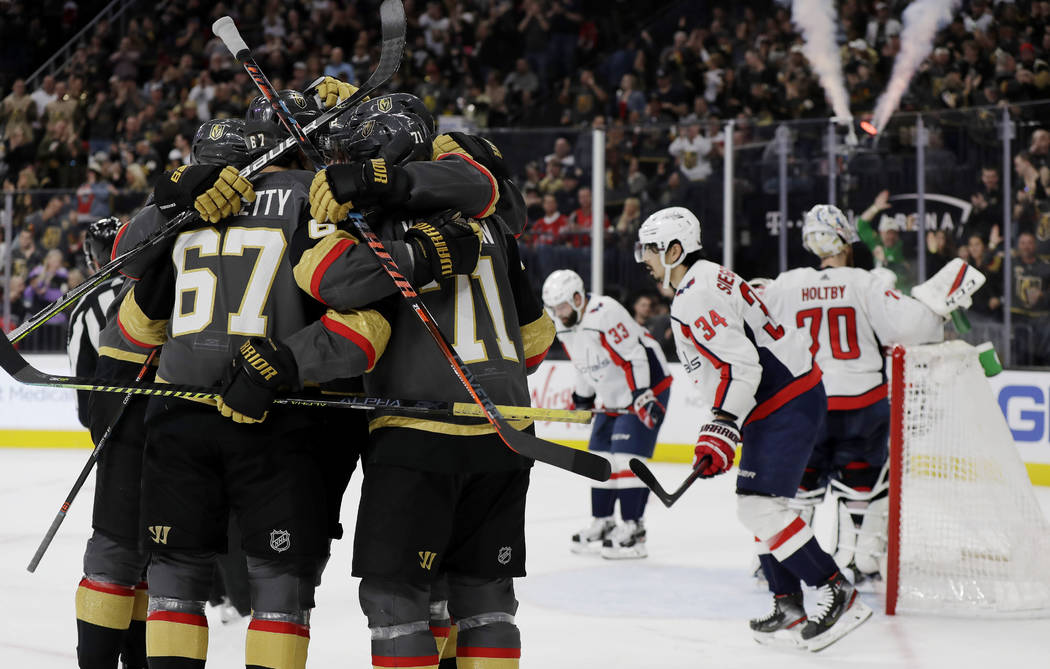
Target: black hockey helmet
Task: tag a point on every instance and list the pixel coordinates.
(396, 103)
(98, 242)
(220, 142)
(399, 138)
(304, 108)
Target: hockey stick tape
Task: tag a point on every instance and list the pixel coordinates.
(227, 31)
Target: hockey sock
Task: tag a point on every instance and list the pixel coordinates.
(602, 502)
(448, 653)
(441, 629)
(489, 646)
(276, 644)
(176, 640)
(810, 563)
(415, 650)
(103, 613)
(780, 580)
(632, 502)
(133, 652)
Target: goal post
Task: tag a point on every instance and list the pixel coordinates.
(966, 534)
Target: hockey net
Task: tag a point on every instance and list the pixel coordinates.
(967, 536)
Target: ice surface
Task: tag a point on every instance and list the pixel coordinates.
(685, 606)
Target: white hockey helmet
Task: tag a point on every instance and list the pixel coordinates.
(661, 229)
(826, 231)
(561, 287)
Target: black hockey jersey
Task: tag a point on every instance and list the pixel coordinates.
(86, 322)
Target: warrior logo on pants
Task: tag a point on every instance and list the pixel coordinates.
(280, 540)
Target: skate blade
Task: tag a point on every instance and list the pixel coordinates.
(780, 639)
(591, 548)
(853, 618)
(624, 554)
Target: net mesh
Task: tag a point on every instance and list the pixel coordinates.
(973, 538)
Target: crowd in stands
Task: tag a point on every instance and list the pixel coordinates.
(661, 78)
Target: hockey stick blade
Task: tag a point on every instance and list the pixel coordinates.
(646, 476)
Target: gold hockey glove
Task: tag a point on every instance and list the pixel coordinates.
(330, 91)
(261, 368)
(214, 191)
(323, 205)
(448, 243)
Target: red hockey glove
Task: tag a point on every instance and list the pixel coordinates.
(717, 439)
(648, 408)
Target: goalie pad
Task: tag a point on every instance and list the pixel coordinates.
(860, 530)
(950, 288)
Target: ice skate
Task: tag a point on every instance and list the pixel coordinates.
(626, 542)
(589, 540)
(839, 612)
(782, 625)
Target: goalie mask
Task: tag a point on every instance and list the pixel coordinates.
(561, 288)
(663, 228)
(827, 232)
(98, 241)
(220, 142)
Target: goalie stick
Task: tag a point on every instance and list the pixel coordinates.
(392, 19)
(646, 476)
(12, 362)
(45, 543)
(583, 463)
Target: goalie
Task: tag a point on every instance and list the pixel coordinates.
(849, 314)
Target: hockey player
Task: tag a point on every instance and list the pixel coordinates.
(849, 315)
(440, 498)
(765, 391)
(233, 290)
(111, 596)
(620, 365)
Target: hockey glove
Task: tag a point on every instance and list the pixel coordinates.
(369, 182)
(213, 190)
(449, 244)
(261, 367)
(323, 205)
(582, 403)
(648, 409)
(330, 91)
(717, 439)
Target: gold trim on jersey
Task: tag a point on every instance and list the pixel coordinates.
(537, 336)
(126, 356)
(370, 325)
(138, 326)
(311, 260)
(440, 427)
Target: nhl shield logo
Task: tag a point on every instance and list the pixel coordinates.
(384, 105)
(280, 540)
(217, 131)
(504, 555)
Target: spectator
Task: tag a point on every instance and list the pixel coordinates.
(886, 245)
(550, 228)
(672, 98)
(881, 26)
(17, 111)
(642, 310)
(47, 282)
(691, 151)
(1030, 303)
(554, 180)
(987, 206)
(564, 18)
(630, 102)
(585, 99)
(534, 29)
(581, 220)
(630, 218)
(522, 84)
(339, 68)
(987, 302)
(94, 197)
(15, 298)
(44, 95)
(1039, 154)
(26, 254)
(1031, 193)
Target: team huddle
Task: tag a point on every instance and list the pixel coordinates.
(793, 371)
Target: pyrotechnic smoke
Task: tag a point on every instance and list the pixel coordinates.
(921, 21)
(817, 20)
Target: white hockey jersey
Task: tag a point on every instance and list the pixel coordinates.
(740, 356)
(848, 315)
(613, 354)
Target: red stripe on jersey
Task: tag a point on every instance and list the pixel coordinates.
(439, 631)
(724, 367)
(477, 651)
(778, 539)
(322, 267)
(483, 170)
(345, 331)
(536, 359)
(279, 627)
(789, 392)
(845, 403)
(108, 588)
(116, 241)
(131, 339)
(627, 368)
(663, 385)
(625, 474)
(178, 617)
(416, 661)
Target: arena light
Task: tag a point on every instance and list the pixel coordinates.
(868, 128)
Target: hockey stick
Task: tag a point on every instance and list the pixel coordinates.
(649, 479)
(583, 463)
(393, 30)
(92, 459)
(19, 368)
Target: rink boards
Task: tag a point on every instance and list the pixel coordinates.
(33, 417)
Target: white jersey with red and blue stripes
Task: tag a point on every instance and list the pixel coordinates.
(744, 361)
(848, 315)
(613, 355)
